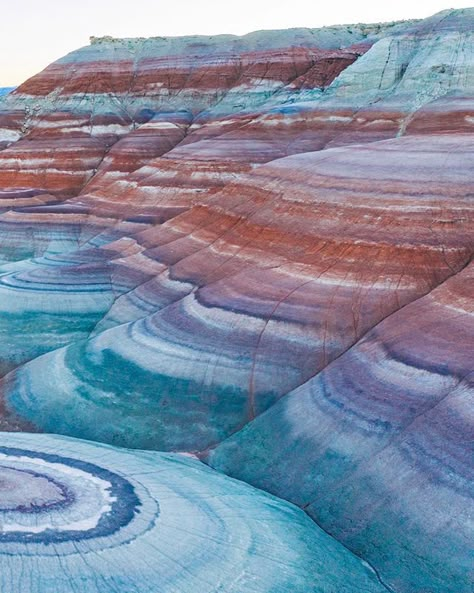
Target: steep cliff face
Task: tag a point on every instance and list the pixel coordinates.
(258, 249)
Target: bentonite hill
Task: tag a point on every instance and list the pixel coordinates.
(241, 257)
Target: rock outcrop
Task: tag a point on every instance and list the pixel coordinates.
(71, 514)
(258, 250)
(378, 446)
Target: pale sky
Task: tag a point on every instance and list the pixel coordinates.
(34, 33)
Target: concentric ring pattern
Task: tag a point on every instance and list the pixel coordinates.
(258, 250)
(46, 498)
(77, 516)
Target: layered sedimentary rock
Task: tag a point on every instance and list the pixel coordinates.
(259, 250)
(264, 296)
(95, 96)
(72, 517)
(378, 447)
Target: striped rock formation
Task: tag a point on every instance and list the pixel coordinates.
(167, 523)
(258, 250)
(95, 96)
(378, 446)
(250, 294)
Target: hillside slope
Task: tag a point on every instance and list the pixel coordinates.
(258, 250)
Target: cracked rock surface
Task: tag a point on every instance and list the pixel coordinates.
(257, 250)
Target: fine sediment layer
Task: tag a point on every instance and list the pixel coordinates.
(258, 249)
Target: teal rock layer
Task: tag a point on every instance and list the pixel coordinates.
(378, 446)
(77, 515)
(257, 250)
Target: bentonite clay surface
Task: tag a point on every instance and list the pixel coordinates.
(257, 250)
